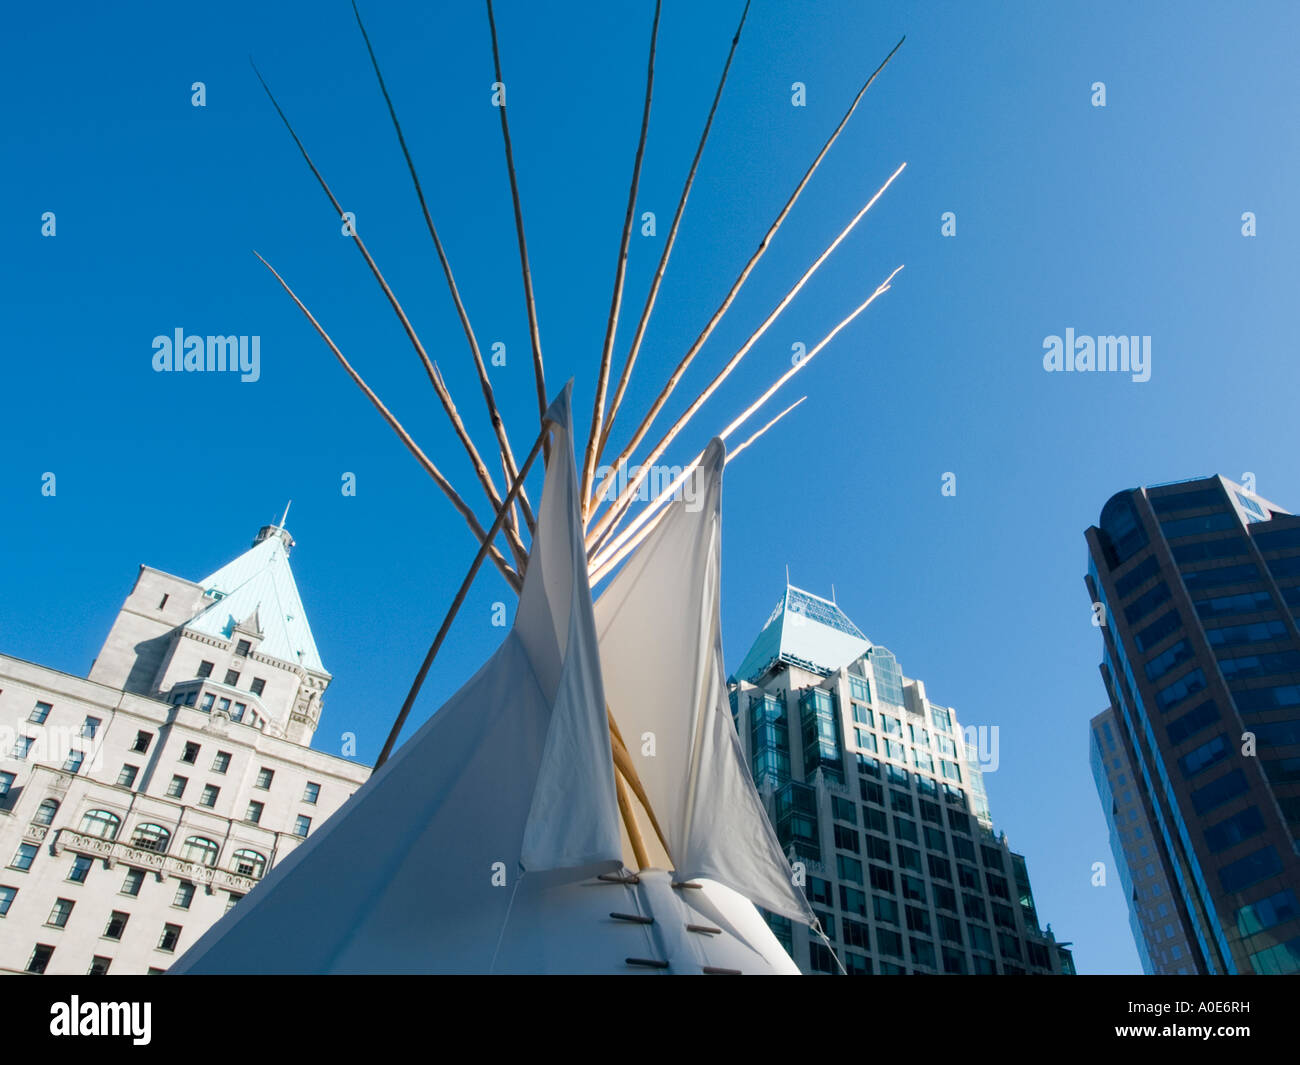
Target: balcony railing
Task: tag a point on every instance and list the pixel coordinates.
(112, 851)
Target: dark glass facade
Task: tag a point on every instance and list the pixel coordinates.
(1197, 588)
(877, 798)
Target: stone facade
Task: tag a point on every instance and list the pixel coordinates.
(138, 805)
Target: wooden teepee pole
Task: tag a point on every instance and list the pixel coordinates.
(530, 302)
(630, 823)
(597, 539)
(445, 627)
(739, 283)
(512, 577)
(498, 426)
(669, 241)
(604, 559)
(647, 464)
(485, 478)
(620, 274)
(627, 769)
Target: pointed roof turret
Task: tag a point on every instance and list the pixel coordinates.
(255, 593)
(804, 630)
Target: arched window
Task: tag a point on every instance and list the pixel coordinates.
(100, 823)
(45, 812)
(198, 849)
(151, 838)
(249, 863)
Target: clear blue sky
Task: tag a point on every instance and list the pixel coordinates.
(1121, 220)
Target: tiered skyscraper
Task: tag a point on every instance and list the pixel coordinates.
(879, 799)
(1196, 591)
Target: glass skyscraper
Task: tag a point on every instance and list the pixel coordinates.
(1195, 589)
(877, 795)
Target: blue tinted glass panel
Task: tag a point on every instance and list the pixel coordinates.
(1192, 722)
(1217, 792)
(1193, 526)
(1250, 870)
(1238, 827)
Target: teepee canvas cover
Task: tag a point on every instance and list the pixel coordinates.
(661, 653)
(477, 847)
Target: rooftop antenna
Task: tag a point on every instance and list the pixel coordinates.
(787, 574)
(833, 595)
(285, 515)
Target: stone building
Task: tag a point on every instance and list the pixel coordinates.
(140, 803)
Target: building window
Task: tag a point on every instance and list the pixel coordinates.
(6, 782)
(22, 745)
(221, 762)
(116, 924)
(150, 837)
(190, 753)
(258, 686)
(74, 760)
(39, 713)
(205, 669)
(820, 960)
(232, 897)
(889, 943)
(177, 787)
(207, 702)
(232, 677)
(45, 812)
(264, 778)
(254, 812)
(90, 727)
(126, 778)
(40, 958)
(134, 879)
(242, 648)
(209, 796)
(7, 896)
(60, 913)
(141, 745)
(98, 964)
(170, 937)
(100, 823)
(237, 714)
(312, 792)
(199, 849)
(879, 849)
(853, 901)
(249, 863)
(184, 895)
(80, 869)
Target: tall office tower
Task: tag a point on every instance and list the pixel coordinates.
(138, 805)
(1159, 934)
(1195, 588)
(878, 796)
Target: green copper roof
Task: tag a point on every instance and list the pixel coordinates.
(806, 631)
(258, 588)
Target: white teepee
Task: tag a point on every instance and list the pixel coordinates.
(480, 845)
(504, 836)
